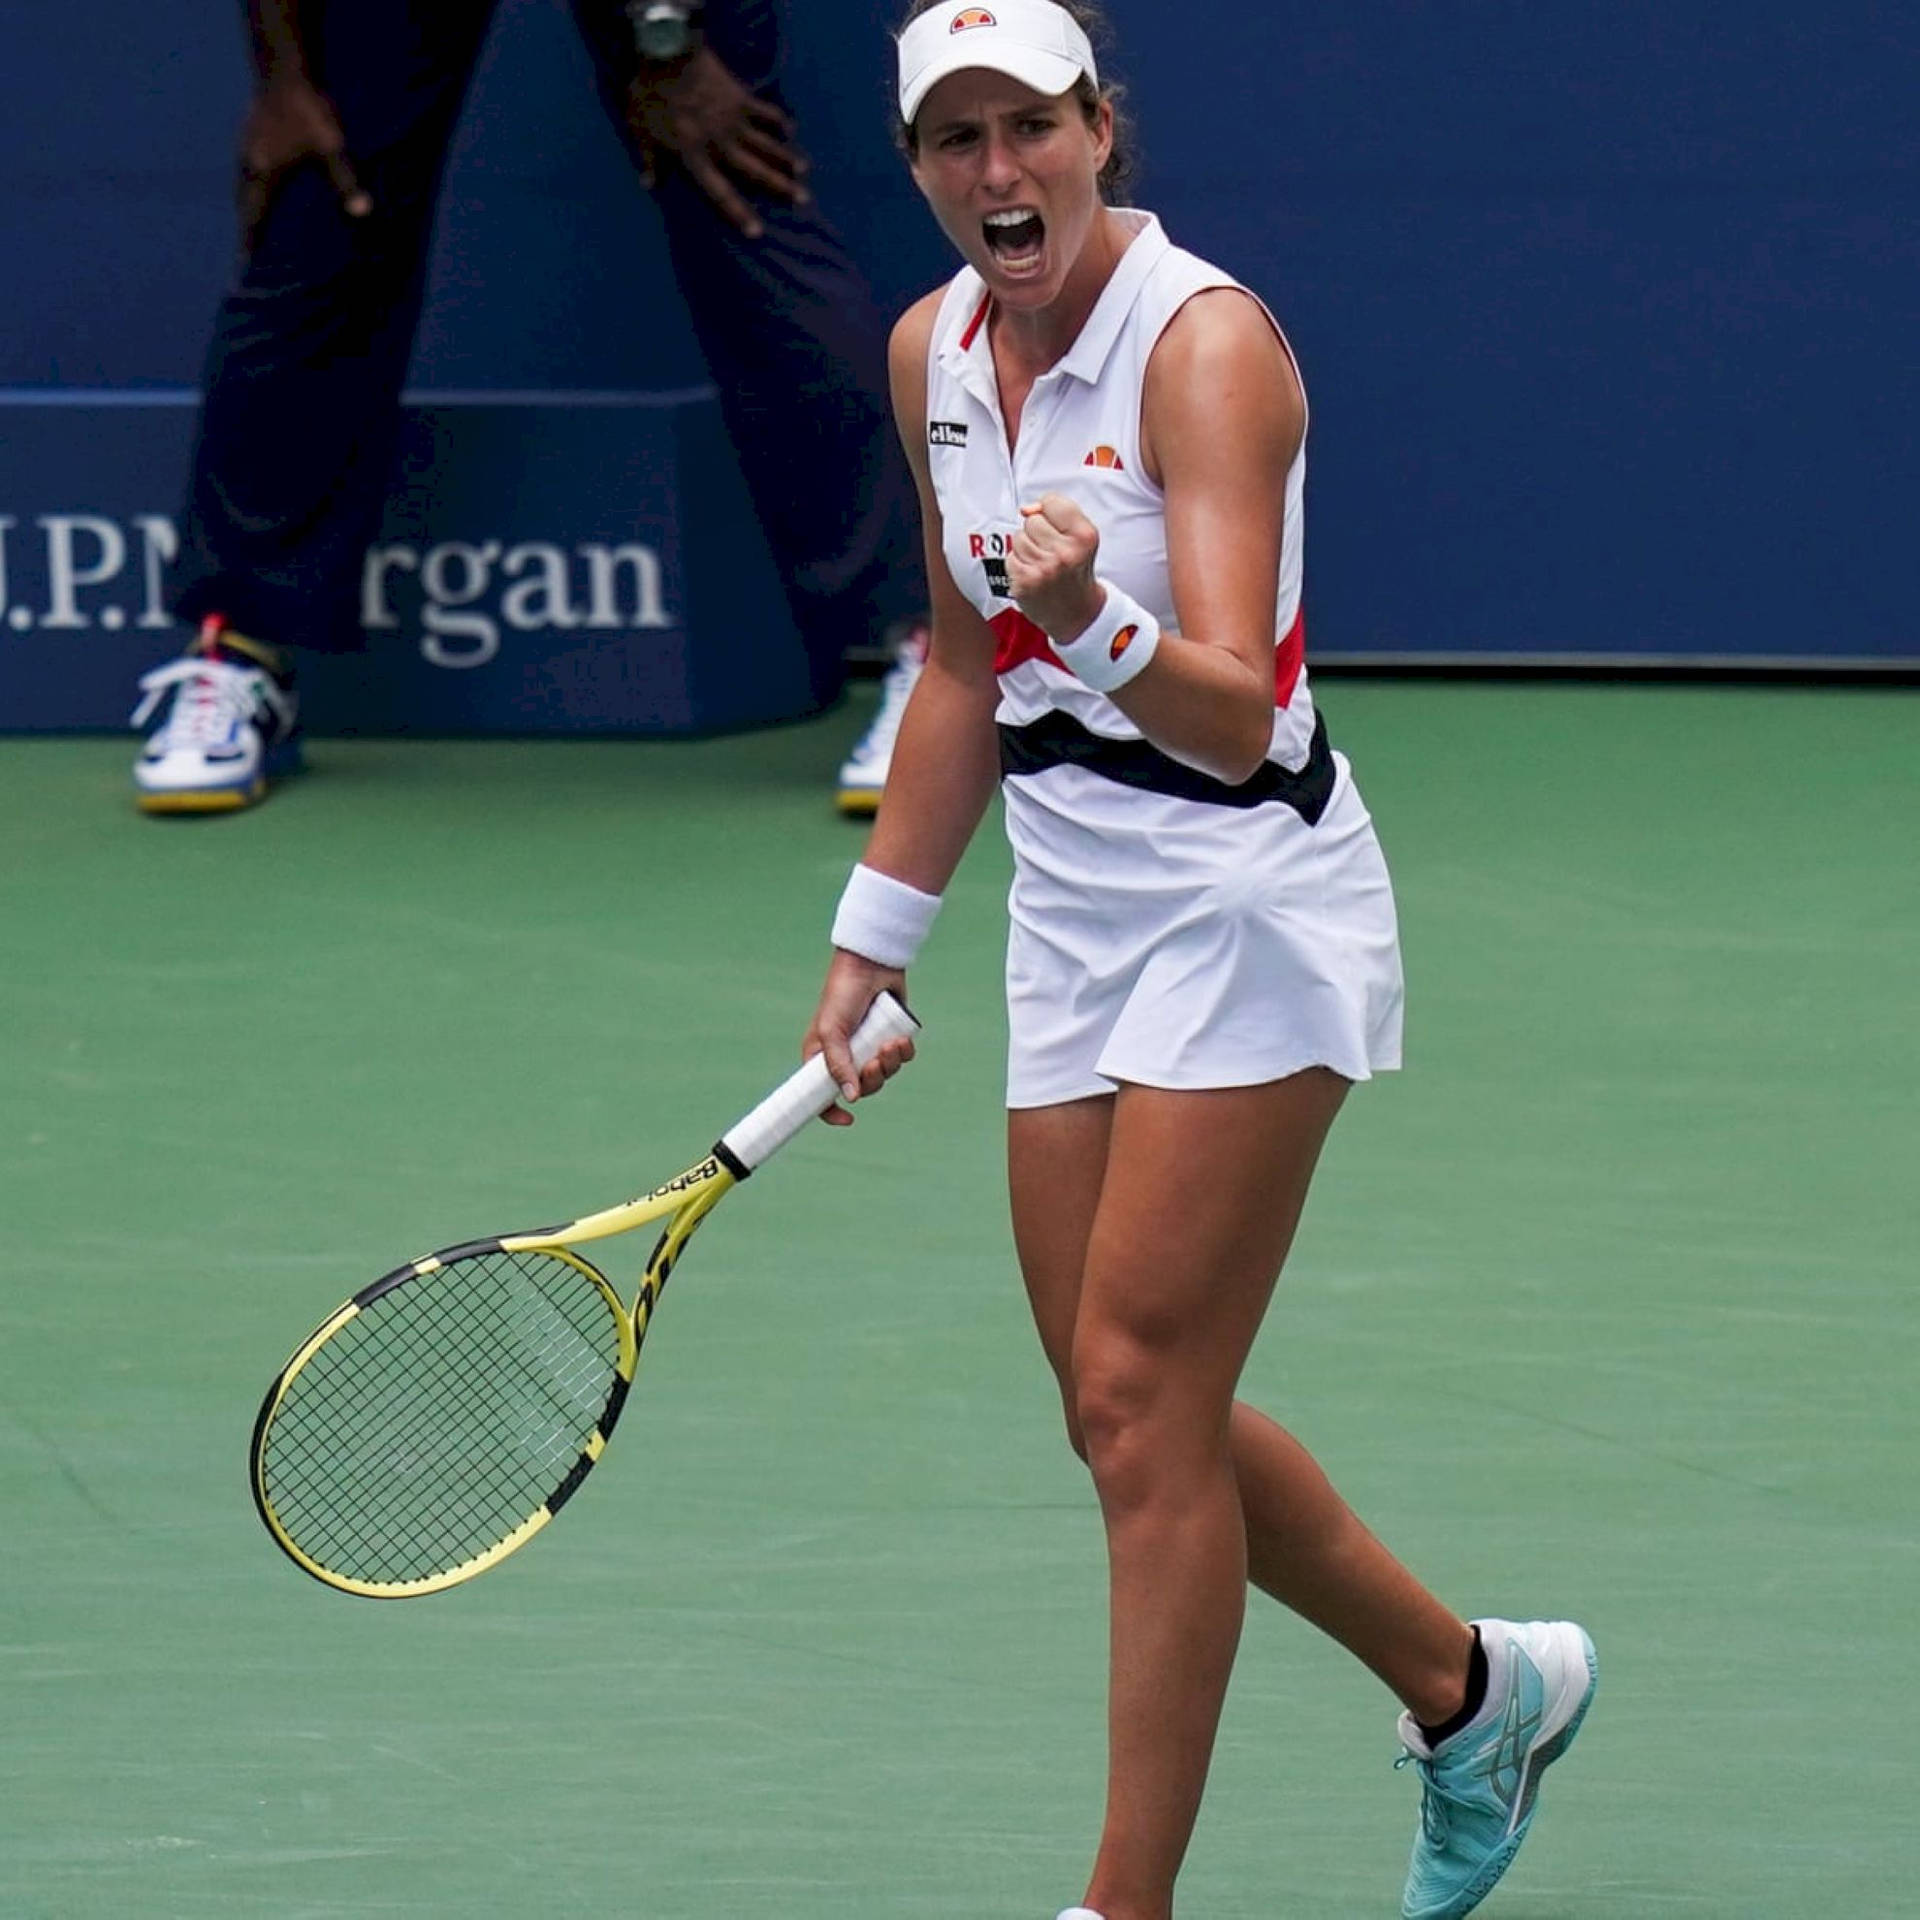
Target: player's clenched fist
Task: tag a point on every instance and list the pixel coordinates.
(1050, 567)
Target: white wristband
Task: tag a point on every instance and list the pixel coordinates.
(883, 919)
(1118, 645)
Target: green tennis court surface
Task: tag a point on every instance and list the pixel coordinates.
(1607, 1306)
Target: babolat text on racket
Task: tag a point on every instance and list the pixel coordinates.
(443, 1415)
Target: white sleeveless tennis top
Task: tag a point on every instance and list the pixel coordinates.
(1080, 435)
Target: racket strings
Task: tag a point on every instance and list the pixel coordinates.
(467, 1434)
(439, 1419)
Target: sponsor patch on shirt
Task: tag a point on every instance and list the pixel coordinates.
(991, 550)
(946, 433)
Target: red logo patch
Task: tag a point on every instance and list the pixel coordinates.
(1121, 642)
(972, 17)
(1105, 456)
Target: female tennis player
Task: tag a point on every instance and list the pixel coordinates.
(1108, 436)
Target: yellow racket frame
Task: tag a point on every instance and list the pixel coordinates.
(683, 1202)
(687, 1198)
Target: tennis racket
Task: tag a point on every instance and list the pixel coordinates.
(443, 1415)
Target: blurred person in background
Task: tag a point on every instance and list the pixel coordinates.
(342, 155)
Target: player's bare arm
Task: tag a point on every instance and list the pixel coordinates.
(946, 761)
(1221, 420)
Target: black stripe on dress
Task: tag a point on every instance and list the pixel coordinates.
(1056, 739)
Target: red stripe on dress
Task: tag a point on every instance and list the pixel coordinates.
(1018, 640)
(973, 325)
(1289, 657)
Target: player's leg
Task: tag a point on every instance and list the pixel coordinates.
(1180, 1228)
(1305, 1546)
(1309, 1550)
(1202, 1193)
(1146, 1321)
(1056, 1162)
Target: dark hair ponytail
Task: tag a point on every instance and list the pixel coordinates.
(1121, 164)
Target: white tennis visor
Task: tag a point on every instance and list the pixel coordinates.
(1033, 41)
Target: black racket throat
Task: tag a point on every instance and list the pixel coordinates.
(477, 1249)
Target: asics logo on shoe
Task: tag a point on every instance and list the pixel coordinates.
(1505, 1767)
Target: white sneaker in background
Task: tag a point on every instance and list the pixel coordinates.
(863, 776)
(224, 718)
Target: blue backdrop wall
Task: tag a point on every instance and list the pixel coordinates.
(1607, 316)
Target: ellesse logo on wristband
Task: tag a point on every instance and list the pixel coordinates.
(1121, 642)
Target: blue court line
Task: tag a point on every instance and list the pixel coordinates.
(413, 397)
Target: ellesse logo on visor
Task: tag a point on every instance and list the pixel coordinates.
(1121, 642)
(973, 17)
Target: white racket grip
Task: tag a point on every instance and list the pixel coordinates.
(807, 1094)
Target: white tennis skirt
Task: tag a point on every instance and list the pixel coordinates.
(1175, 943)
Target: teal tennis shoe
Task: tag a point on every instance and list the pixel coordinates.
(1479, 1785)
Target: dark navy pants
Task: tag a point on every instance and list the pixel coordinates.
(310, 350)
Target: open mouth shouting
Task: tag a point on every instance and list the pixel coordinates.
(1016, 238)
